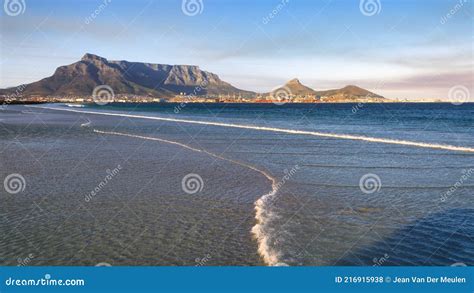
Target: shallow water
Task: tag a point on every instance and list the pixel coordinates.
(318, 216)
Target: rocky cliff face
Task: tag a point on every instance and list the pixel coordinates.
(162, 81)
(135, 78)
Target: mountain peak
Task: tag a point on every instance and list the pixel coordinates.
(294, 81)
(92, 57)
(349, 92)
(351, 86)
(355, 90)
(297, 88)
(130, 78)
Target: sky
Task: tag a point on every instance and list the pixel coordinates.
(402, 49)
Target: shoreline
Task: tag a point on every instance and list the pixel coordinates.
(268, 238)
(6, 104)
(262, 216)
(187, 255)
(418, 144)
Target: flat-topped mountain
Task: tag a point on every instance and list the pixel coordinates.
(167, 81)
(133, 78)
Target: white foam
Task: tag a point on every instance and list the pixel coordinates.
(262, 215)
(75, 105)
(282, 130)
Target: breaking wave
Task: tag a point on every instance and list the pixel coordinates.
(262, 214)
(283, 130)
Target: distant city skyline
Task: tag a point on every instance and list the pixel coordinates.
(399, 49)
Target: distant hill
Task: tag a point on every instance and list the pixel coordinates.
(298, 89)
(133, 78)
(348, 93)
(163, 81)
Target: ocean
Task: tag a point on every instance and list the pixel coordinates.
(237, 184)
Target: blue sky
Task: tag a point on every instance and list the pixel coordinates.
(407, 49)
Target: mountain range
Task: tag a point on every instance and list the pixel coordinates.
(295, 87)
(154, 80)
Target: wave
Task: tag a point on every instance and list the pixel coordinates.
(318, 153)
(385, 187)
(75, 105)
(282, 130)
(377, 167)
(262, 214)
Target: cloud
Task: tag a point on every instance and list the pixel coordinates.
(434, 81)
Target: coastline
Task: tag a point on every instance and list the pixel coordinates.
(163, 226)
(262, 215)
(272, 226)
(3, 103)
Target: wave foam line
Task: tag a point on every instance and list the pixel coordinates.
(283, 130)
(262, 216)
